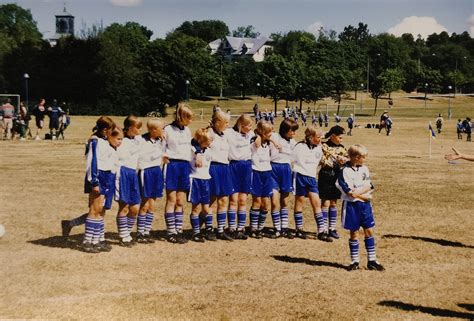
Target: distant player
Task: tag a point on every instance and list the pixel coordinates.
(350, 124)
(459, 129)
(439, 123)
(356, 187)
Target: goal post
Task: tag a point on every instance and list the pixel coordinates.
(344, 110)
(16, 97)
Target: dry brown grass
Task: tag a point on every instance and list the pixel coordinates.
(424, 238)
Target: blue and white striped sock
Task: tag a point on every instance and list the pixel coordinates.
(299, 220)
(276, 220)
(209, 219)
(78, 220)
(320, 222)
(325, 212)
(122, 227)
(149, 222)
(90, 229)
(232, 214)
(284, 219)
(370, 247)
(254, 216)
(221, 217)
(354, 250)
(241, 219)
(141, 222)
(178, 221)
(102, 230)
(195, 223)
(332, 218)
(131, 222)
(261, 220)
(170, 223)
(96, 233)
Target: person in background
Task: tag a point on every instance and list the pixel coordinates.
(439, 123)
(350, 124)
(7, 112)
(39, 112)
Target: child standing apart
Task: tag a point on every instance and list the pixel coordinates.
(102, 160)
(356, 187)
(459, 129)
(241, 174)
(199, 194)
(262, 181)
(150, 177)
(178, 152)
(282, 175)
(127, 189)
(307, 155)
(220, 183)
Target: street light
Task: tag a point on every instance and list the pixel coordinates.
(449, 102)
(26, 77)
(187, 89)
(361, 91)
(258, 91)
(241, 90)
(426, 92)
(222, 81)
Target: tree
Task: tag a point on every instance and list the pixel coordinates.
(245, 32)
(242, 75)
(359, 35)
(207, 30)
(392, 80)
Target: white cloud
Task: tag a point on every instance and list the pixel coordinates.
(423, 26)
(126, 3)
(315, 28)
(470, 24)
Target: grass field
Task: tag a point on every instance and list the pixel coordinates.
(423, 210)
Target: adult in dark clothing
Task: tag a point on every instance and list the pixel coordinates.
(39, 112)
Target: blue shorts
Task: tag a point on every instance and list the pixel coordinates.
(151, 182)
(199, 193)
(356, 215)
(241, 176)
(221, 182)
(304, 184)
(262, 184)
(128, 188)
(106, 187)
(177, 175)
(282, 177)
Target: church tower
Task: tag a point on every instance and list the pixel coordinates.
(64, 26)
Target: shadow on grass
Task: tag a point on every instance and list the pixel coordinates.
(289, 259)
(466, 306)
(428, 239)
(437, 312)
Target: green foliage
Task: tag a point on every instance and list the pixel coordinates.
(245, 32)
(206, 30)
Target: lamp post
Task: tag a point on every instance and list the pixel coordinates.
(449, 102)
(187, 89)
(241, 90)
(258, 91)
(222, 84)
(361, 91)
(426, 92)
(26, 77)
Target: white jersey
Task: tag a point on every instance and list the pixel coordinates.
(100, 156)
(178, 142)
(239, 145)
(306, 158)
(260, 157)
(352, 179)
(129, 151)
(151, 152)
(284, 155)
(220, 148)
(203, 171)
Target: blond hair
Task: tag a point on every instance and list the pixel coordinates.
(263, 127)
(312, 131)
(243, 120)
(116, 131)
(131, 121)
(357, 150)
(183, 112)
(219, 116)
(202, 136)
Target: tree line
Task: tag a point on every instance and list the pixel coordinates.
(120, 70)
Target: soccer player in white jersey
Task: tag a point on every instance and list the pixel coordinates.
(221, 182)
(150, 176)
(199, 194)
(241, 174)
(281, 157)
(178, 152)
(356, 188)
(262, 181)
(307, 155)
(127, 189)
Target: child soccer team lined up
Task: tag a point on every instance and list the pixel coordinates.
(221, 165)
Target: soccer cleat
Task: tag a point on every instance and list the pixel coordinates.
(198, 238)
(66, 228)
(224, 236)
(125, 243)
(354, 266)
(254, 234)
(89, 247)
(275, 235)
(104, 246)
(149, 239)
(301, 234)
(141, 238)
(334, 234)
(324, 237)
(173, 238)
(240, 235)
(287, 235)
(181, 238)
(374, 265)
(209, 235)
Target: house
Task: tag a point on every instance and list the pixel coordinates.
(233, 47)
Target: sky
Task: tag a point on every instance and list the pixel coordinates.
(419, 17)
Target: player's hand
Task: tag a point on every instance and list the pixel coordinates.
(341, 160)
(96, 190)
(199, 160)
(165, 159)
